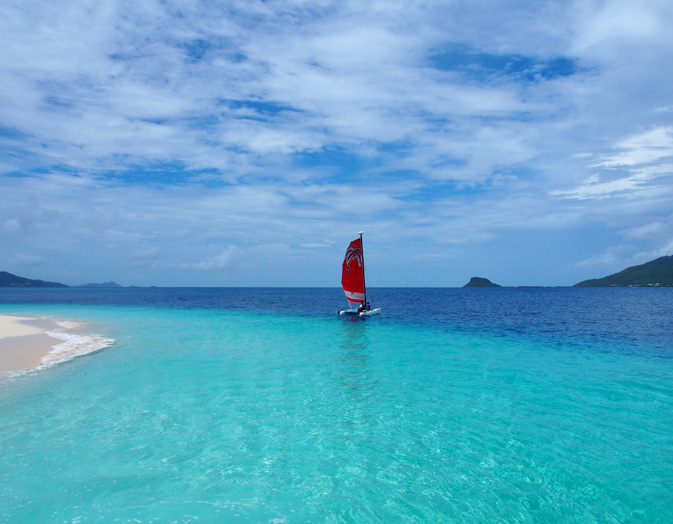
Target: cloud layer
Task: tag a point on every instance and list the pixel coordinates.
(245, 143)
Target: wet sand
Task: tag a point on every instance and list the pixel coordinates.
(24, 342)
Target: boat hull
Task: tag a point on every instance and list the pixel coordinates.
(356, 313)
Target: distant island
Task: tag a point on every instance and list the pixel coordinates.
(102, 284)
(9, 280)
(480, 282)
(656, 273)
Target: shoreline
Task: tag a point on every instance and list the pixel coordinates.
(29, 343)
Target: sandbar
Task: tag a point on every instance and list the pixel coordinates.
(24, 342)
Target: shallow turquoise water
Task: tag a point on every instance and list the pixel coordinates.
(221, 415)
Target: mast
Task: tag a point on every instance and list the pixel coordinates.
(364, 285)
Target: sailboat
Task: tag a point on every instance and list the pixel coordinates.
(353, 281)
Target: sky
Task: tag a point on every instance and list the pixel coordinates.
(246, 143)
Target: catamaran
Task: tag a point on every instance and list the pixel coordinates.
(353, 281)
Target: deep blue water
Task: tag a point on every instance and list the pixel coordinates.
(262, 405)
(627, 317)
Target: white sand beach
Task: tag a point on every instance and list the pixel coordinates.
(24, 342)
(29, 342)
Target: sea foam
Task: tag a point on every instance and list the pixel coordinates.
(69, 324)
(73, 345)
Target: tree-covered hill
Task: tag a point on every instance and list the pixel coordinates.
(9, 280)
(657, 273)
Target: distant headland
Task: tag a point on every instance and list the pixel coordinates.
(9, 280)
(656, 273)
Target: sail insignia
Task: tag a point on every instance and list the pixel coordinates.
(353, 253)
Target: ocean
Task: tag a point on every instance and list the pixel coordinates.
(508, 405)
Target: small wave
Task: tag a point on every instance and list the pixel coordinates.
(69, 324)
(73, 346)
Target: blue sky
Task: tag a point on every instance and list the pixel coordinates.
(245, 143)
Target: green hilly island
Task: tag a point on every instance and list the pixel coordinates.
(480, 282)
(656, 273)
(9, 280)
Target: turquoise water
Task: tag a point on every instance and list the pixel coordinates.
(256, 414)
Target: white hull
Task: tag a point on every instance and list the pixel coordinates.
(356, 313)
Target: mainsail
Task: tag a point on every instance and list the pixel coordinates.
(353, 273)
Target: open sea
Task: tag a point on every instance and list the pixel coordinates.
(244, 405)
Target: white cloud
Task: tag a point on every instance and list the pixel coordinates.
(640, 168)
(145, 257)
(25, 260)
(660, 251)
(621, 257)
(643, 232)
(150, 129)
(643, 148)
(594, 189)
(604, 259)
(320, 245)
(620, 23)
(227, 259)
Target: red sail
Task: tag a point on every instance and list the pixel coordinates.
(352, 273)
